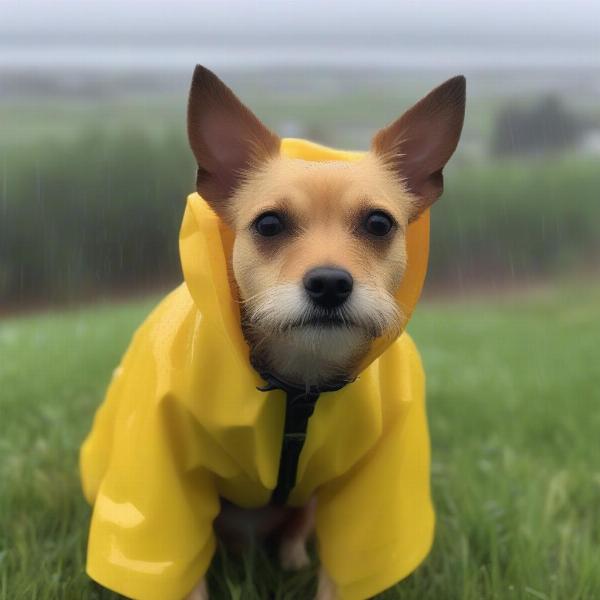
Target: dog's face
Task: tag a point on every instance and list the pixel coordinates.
(320, 247)
(319, 252)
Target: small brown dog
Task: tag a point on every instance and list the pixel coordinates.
(320, 247)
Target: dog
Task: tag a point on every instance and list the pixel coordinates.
(318, 251)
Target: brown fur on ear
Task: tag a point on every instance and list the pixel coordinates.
(226, 138)
(419, 144)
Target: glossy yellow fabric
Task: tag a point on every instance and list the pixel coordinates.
(183, 424)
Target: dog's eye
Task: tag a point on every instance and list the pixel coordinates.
(379, 223)
(268, 224)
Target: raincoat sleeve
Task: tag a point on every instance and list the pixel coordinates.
(153, 502)
(375, 524)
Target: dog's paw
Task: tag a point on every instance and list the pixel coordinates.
(200, 592)
(293, 555)
(326, 589)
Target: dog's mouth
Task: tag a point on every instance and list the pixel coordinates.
(323, 320)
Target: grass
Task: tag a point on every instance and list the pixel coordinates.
(514, 410)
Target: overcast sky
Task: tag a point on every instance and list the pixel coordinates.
(568, 18)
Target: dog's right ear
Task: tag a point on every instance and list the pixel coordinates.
(226, 138)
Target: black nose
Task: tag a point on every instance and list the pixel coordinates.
(328, 286)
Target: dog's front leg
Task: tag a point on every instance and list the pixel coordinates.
(325, 587)
(200, 592)
(292, 552)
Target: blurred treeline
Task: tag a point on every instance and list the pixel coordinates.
(97, 210)
(95, 214)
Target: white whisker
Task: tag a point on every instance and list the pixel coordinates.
(295, 336)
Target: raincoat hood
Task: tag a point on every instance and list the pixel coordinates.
(183, 424)
(204, 234)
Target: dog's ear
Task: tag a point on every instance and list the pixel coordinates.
(419, 144)
(226, 138)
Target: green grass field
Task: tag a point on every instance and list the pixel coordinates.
(514, 407)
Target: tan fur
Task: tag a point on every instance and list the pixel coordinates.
(327, 202)
(325, 199)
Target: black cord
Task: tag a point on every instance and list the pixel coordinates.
(300, 404)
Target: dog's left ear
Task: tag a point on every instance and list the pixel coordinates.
(226, 138)
(418, 145)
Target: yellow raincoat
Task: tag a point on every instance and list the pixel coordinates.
(183, 423)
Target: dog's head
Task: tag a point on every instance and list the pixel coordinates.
(320, 247)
